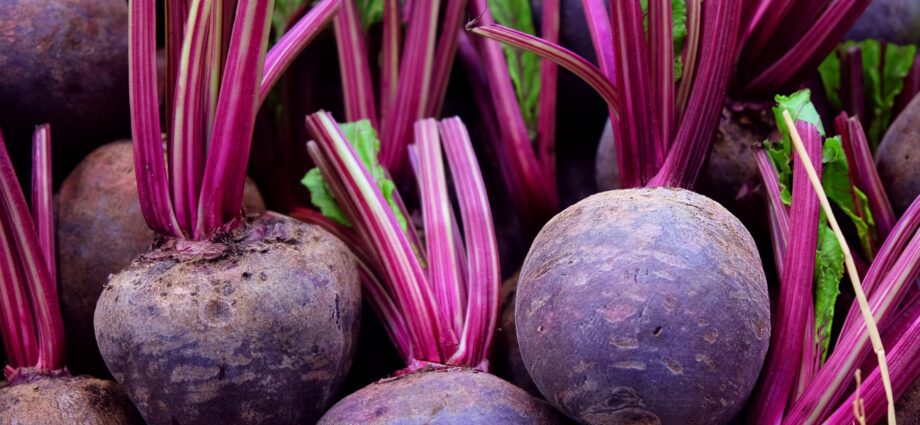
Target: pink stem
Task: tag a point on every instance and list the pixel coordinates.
(483, 273)
(42, 196)
(153, 184)
(546, 113)
(283, 53)
(357, 85)
(795, 300)
(415, 79)
(389, 71)
(225, 171)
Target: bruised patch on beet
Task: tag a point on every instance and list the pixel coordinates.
(65, 400)
(452, 396)
(618, 302)
(898, 157)
(194, 337)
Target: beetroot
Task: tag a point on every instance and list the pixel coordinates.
(66, 400)
(100, 230)
(896, 21)
(443, 396)
(898, 157)
(647, 305)
(65, 63)
(261, 325)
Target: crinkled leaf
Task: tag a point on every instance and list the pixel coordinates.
(321, 197)
(883, 82)
(800, 108)
(523, 67)
(364, 140)
(370, 12)
(882, 79)
(828, 273)
(830, 77)
(836, 182)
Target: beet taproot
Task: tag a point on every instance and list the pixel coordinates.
(66, 400)
(64, 63)
(100, 230)
(644, 306)
(898, 157)
(447, 396)
(257, 326)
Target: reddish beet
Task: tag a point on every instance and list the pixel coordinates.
(100, 230)
(454, 396)
(66, 400)
(65, 63)
(898, 157)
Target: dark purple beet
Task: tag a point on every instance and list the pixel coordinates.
(65, 63)
(66, 400)
(898, 157)
(644, 305)
(451, 396)
(257, 326)
(896, 21)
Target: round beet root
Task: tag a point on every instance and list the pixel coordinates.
(64, 63)
(898, 157)
(506, 353)
(451, 396)
(895, 21)
(66, 400)
(257, 326)
(100, 230)
(644, 306)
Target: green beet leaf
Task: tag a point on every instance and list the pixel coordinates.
(523, 67)
(364, 140)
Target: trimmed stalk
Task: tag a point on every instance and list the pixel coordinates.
(795, 301)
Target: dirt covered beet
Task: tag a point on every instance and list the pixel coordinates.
(100, 230)
(257, 326)
(66, 400)
(447, 396)
(898, 157)
(644, 306)
(64, 63)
